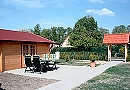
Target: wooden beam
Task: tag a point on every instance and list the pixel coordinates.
(109, 52)
(126, 52)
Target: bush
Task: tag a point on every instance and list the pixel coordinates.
(81, 53)
(82, 56)
(93, 57)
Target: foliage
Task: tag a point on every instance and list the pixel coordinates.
(98, 49)
(56, 34)
(85, 33)
(103, 31)
(119, 29)
(82, 56)
(37, 29)
(93, 57)
(46, 33)
(80, 53)
(118, 51)
(74, 62)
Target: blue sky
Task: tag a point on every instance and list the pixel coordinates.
(24, 14)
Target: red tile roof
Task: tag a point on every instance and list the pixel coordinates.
(10, 35)
(116, 38)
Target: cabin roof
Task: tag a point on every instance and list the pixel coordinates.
(11, 35)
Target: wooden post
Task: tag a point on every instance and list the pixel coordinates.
(109, 52)
(126, 52)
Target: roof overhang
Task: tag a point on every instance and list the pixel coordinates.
(122, 38)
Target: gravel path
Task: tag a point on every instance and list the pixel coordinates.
(18, 82)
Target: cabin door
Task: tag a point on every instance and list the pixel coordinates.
(28, 49)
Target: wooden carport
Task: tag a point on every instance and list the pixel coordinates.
(114, 39)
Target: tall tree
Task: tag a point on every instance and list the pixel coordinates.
(119, 29)
(54, 34)
(37, 29)
(60, 34)
(85, 33)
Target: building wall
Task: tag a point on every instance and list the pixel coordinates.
(11, 55)
(42, 49)
(0, 58)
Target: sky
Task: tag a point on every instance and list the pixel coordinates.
(25, 14)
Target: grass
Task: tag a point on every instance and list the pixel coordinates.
(114, 78)
(73, 63)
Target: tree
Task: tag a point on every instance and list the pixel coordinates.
(128, 28)
(69, 31)
(46, 33)
(61, 33)
(85, 33)
(58, 34)
(103, 31)
(37, 29)
(119, 29)
(54, 34)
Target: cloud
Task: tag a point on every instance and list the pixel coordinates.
(101, 12)
(36, 3)
(97, 1)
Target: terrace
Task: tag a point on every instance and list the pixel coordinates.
(64, 78)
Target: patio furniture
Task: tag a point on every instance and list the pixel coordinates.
(38, 67)
(46, 64)
(0, 87)
(52, 62)
(29, 64)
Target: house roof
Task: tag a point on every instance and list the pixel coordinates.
(122, 38)
(10, 35)
(66, 42)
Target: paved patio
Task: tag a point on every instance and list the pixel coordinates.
(70, 76)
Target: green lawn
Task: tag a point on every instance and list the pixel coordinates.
(75, 63)
(114, 78)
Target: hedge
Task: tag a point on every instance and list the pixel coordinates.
(81, 55)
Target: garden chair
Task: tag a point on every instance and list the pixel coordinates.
(38, 67)
(28, 63)
(0, 87)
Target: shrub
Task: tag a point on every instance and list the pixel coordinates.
(82, 56)
(93, 57)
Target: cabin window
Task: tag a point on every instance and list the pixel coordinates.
(32, 50)
(29, 49)
(25, 50)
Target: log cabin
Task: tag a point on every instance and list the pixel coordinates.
(14, 45)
